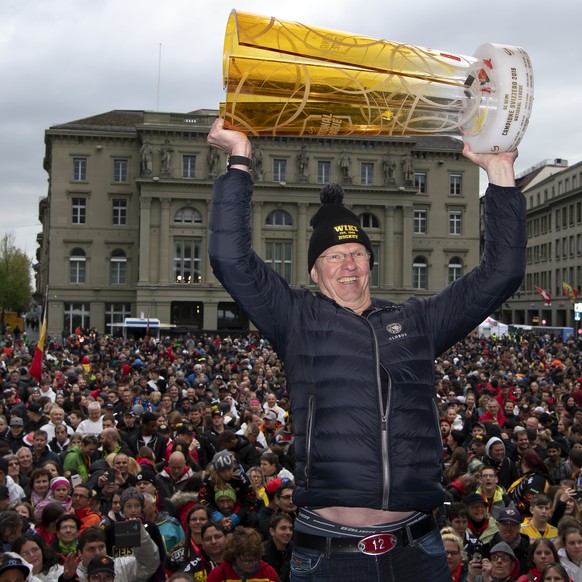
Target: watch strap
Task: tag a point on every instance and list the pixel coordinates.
(238, 160)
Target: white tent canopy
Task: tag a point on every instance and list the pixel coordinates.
(493, 327)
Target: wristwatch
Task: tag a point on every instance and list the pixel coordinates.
(238, 160)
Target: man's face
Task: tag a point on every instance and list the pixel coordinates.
(177, 467)
(225, 505)
(541, 513)
(149, 428)
(61, 433)
(271, 400)
(57, 415)
(497, 451)
(285, 502)
(522, 441)
(532, 422)
(554, 455)
(347, 282)
(488, 479)
(92, 549)
(459, 524)
(39, 443)
(121, 463)
(146, 487)
(94, 414)
(80, 498)
(194, 416)
(508, 530)
(501, 565)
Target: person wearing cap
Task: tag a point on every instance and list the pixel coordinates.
(15, 435)
(36, 418)
(509, 525)
(480, 523)
(342, 342)
(209, 438)
(225, 473)
(141, 565)
(13, 568)
(501, 566)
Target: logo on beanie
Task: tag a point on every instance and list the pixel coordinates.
(346, 231)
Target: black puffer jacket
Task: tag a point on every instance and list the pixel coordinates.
(350, 451)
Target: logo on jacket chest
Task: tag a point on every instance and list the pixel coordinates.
(395, 331)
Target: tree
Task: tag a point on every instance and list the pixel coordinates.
(15, 283)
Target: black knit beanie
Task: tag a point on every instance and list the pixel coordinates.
(334, 224)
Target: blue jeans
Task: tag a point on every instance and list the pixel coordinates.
(424, 561)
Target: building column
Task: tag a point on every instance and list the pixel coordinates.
(388, 262)
(210, 318)
(257, 227)
(164, 258)
(145, 204)
(300, 261)
(207, 275)
(407, 228)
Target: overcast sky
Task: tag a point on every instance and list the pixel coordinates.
(62, 60)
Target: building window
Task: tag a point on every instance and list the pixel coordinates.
(78, 210)
(118, 268)
(80, 169)
(231, 316)
(455, 222)
(188, 166)
(115, 315)
(187, 314)
(120, 171)
(456, 182)
(76, 317)
(119, 212)
(420, 182)
(278, 257)
(420, 221)
(77, 267)
(419, 273)
(187, 261)
(279, 170)
(369, 220)
(455, 269)
(323, 172)
(188, 215)
(279, 218)
(366, 174)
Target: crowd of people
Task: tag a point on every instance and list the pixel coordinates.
(173, 459)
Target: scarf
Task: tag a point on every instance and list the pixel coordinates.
(66, 549)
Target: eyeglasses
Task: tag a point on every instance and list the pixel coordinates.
(452, 552)
(287, 497)
(500, 558)
(30, 553)
(336, 258)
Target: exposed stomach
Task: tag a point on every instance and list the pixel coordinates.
(361, 516)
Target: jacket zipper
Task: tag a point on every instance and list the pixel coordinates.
(309, 437)
(384, 421)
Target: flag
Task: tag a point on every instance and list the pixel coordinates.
(36, 367)
(545, 295)
(569, 292)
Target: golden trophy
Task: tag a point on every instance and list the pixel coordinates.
(288, 79)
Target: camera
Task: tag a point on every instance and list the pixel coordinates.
(126, 534)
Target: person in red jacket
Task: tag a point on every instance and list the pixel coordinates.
(242, 559)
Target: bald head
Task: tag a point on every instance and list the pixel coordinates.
(177, 465)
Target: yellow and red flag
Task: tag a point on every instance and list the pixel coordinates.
(36, 366)
(570, 292)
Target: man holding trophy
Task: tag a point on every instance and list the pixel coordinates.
(360, 369)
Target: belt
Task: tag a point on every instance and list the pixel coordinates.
(374, 544)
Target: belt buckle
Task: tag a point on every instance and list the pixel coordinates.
(377, 544)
